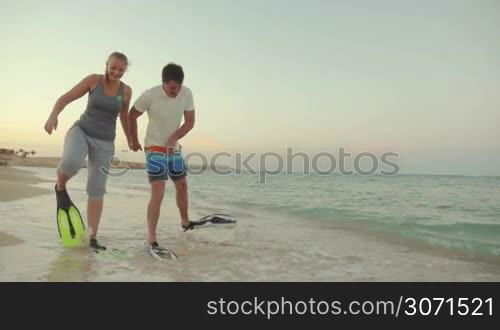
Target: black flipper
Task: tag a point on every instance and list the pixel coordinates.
(193, 224)
(216, 218)
(159, 252)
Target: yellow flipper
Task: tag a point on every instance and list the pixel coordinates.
(71, 227)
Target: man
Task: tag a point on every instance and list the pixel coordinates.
(165, 105)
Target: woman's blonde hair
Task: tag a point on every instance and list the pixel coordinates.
(119, 56)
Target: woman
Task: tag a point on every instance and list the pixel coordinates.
(93, 135)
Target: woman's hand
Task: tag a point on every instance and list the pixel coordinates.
(51, 124)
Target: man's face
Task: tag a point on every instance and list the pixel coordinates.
(172, 88)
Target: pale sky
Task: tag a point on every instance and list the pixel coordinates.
(421, 78)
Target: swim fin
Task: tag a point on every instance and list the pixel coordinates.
(216, 218)
(69, 221)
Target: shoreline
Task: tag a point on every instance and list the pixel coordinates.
(266, 243)
(18, 184)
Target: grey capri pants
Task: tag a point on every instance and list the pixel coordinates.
(77, 146)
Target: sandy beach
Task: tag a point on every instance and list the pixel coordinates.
(8, 240)
(16, 184)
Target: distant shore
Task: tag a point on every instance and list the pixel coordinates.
(53, 162)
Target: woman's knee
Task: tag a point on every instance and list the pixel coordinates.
(96, 192)
(69, 167)
(96, 186)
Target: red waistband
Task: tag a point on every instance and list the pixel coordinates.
(156, 149)
(160, 149)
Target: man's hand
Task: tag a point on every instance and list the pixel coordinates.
(134, 146)
(171, 143)
(132, 138)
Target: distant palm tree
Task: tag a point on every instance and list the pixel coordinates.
(33, 153)
(25, 153)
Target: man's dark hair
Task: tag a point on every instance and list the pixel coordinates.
(173, 72)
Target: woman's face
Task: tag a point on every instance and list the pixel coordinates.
(115, 68)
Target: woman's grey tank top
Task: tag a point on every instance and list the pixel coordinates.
(99, 119)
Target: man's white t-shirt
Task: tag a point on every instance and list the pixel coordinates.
(164, 113)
